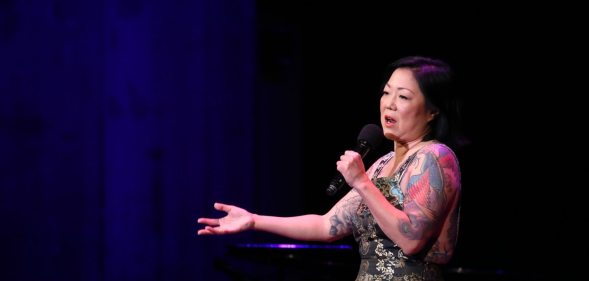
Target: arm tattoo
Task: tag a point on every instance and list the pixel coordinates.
(344, 211)
(426, 197)
(336, 223)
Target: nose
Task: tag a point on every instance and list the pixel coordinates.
(390, 103)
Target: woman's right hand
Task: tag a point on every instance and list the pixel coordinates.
(236, 220)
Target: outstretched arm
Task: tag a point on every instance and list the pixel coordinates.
(329, 227)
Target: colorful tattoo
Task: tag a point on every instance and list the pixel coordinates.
(432, 178)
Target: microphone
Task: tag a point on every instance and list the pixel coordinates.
(369, 138)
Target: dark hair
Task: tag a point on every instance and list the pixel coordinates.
(436, 80)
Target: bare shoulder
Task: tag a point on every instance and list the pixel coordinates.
(443, 154)
(438, 149)
(442, 158)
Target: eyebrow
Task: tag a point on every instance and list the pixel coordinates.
(400, 88)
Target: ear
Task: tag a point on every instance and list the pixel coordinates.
(432, 115)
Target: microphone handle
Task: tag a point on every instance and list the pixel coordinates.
(338, 180)
(336, 184)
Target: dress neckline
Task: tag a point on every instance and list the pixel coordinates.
(401, 170)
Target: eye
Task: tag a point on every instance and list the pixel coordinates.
(385, 93)
(403, 97)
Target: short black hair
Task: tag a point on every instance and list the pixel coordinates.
(436, 80)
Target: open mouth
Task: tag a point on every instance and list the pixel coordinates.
(389, 120)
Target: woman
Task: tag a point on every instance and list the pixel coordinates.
(403, 211)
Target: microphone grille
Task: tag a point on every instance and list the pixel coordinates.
(372, 134)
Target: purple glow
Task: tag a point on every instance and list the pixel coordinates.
(295, 246)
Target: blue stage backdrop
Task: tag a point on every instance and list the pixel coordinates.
(121, 122)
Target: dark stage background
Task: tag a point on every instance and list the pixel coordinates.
(121, 122)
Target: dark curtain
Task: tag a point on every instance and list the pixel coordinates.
(121, 122)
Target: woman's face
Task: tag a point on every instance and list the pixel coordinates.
(403, 112)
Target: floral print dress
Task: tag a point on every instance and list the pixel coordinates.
(381, 258)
